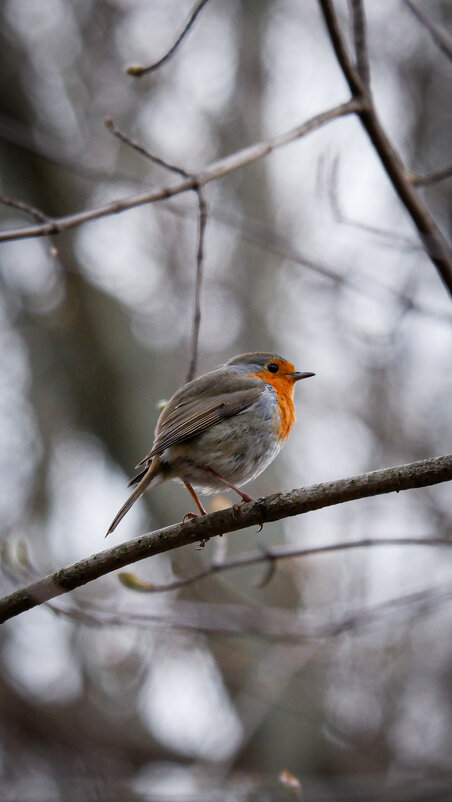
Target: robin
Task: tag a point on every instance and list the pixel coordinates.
(221, 429)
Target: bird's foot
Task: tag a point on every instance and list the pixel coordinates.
(245, 497)
(189, 516)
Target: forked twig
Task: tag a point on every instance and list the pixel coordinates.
(212, 172)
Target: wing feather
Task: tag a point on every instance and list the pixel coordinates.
(192, 418)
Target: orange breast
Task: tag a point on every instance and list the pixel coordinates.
(284, 390)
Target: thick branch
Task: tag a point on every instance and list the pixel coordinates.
(216, 170)
(272, 508)
(431, 236)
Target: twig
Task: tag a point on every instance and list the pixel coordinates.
(264, 237)
(439, 36)
(216, 170)
(137, 71)
(272, 556)
(360, 40)
(273, 623)
(132, 143)
(33, 212)
(198, 284)
(272, 508)
(25, 207)
(433, 178)
(434, 242)
(202, 217)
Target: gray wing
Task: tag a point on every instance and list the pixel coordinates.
(191, 418)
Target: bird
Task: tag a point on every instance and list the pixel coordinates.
(221, 430)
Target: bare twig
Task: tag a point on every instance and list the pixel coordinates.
(273, 623)
(132, 143)
(271, 508)
(202, 224)
(137, 71)
(33, 212)
(360, 40)
(431, 236)
(438, 34)
(25, 207)
(198, 284)
(265, 237)
(432, 178)
(272, 556)
(216, 170)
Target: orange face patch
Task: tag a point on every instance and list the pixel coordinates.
(284, 385)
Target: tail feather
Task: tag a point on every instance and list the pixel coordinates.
(137, 479)
(142, 481)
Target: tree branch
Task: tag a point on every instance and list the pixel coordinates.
(272, 508)
(360, 40)
(216, 170)
(431, 236)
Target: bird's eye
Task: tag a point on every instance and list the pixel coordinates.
(272, 367)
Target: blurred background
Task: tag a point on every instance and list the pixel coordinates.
(201, 693)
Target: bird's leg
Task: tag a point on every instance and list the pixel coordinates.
(195, 498)
(241, 493)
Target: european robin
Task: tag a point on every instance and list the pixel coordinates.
(221, 429)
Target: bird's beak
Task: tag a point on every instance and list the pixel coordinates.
(297, 375)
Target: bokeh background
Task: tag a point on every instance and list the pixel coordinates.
(309, 254)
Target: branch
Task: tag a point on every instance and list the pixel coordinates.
(272, 508)
(137, 71)
(431, 236)
(439, 36)
(360, 40)
(216, 170)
